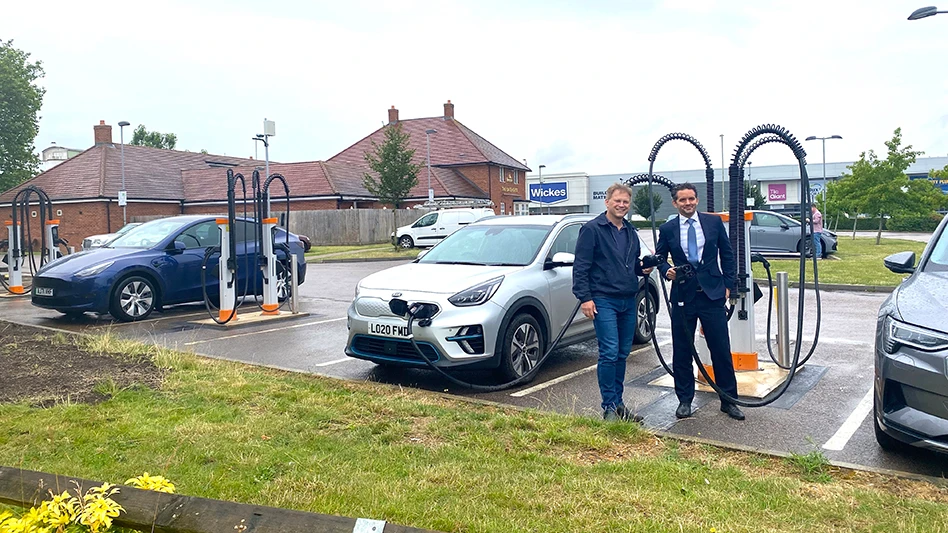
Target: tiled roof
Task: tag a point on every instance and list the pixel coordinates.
(306, 179)
(150, 173)
(453, 145)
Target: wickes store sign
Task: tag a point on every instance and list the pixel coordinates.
(548, 193)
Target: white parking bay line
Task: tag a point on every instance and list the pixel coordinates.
(571, 375)
(845, 432)
(192, 343)
(328, 363)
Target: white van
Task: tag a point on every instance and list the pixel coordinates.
(436, 225)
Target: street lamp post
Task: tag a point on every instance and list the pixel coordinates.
(123, 194)
(541, 187)
(428, 134)
(923, 12)
(723, 177)
(815, 138)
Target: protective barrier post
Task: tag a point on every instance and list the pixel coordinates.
(294, 285)
(71, 249)
(271, 304)
(52, 234)
(225, 274)
(783, 319)
(14, 252)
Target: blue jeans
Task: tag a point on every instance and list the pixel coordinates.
(817, 244)
(615, 331)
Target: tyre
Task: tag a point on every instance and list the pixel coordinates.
(133, 298)
(643, 327)
(521, 347)
(805, 247)
(825, 250)
(405, 242)
(887, 443)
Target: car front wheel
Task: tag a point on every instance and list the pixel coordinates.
(133, 299)
(405, 242)
(643, 322)
(521, 348)
(805, 247)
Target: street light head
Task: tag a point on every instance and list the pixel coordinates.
(124, 123)
(542, 166)
(923, 12)
(429, 132)
(259, 136)
(811, 138)
(835, 137)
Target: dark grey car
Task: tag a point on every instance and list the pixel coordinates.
(911, 362)
(773, 232)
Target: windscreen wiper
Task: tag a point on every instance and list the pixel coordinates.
(458, 263)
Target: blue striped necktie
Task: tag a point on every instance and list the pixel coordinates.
(692, 242)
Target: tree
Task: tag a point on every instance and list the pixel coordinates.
(753, 193)
(641, 203)
(143, 137)
(392, 162)
(20, 101)
(880, 188)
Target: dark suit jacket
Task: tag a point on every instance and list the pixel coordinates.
(709, 277)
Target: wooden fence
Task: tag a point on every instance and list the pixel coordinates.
(340, 226)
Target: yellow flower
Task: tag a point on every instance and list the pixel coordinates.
(99, 512)
(60, 510)
(155, 483)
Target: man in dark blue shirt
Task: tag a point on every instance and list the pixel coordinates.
(606, 274)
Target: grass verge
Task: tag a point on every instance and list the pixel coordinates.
(858, 262)
(372, 251)
(223, 430)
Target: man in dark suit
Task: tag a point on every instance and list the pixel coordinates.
(700, 288)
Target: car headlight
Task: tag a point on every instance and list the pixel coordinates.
(896, 333)
(477, 294)
(94, 269)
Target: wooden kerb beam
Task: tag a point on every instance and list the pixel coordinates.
(174, 513)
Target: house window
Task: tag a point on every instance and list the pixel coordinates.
(503, 208)
(516, 176)
(501, 172)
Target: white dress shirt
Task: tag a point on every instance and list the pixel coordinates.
(683, 231)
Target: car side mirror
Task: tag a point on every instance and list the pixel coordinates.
(178, 247)
(784, 226)
(900, 263)
(559, 259)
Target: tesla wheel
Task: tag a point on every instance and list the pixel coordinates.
(805, 247)
(133, 299)
(282, 282)
(643, 327)
(405, 242)
(521, 348)
(825, 249)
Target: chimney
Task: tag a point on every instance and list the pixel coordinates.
(449, 111)
(392, 115)
(103, 133)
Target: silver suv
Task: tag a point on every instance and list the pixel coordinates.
(503, 291)
(911, 369)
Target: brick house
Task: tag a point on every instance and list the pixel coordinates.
(84, 189)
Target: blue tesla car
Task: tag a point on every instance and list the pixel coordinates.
(157, 264)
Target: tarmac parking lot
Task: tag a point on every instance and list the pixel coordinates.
(827, 408)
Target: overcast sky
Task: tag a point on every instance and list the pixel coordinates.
(577, 86)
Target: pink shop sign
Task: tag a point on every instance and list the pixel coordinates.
(777, 192)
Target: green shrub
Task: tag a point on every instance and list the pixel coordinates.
(924, 223)
(846, 223)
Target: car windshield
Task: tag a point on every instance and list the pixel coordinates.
(489, 245)
(938, 260)
(148, 234)
(127, 227)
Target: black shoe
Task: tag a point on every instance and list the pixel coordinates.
(625, 414)
(732, 411)
(684, 410)
(610, 415)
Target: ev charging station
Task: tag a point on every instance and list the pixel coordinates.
(766, 381)
(20, 253)
(265, 258)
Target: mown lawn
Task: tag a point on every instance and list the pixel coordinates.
(223, 430)
(858, 262)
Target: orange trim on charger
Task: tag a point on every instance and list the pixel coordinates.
(745, 361)
(219, 221)
(270, 220)
(50, 222)
(16, 289)
(225, 314)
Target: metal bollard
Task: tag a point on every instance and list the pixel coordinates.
(783, 319)
(294, 285)
(71, 249)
